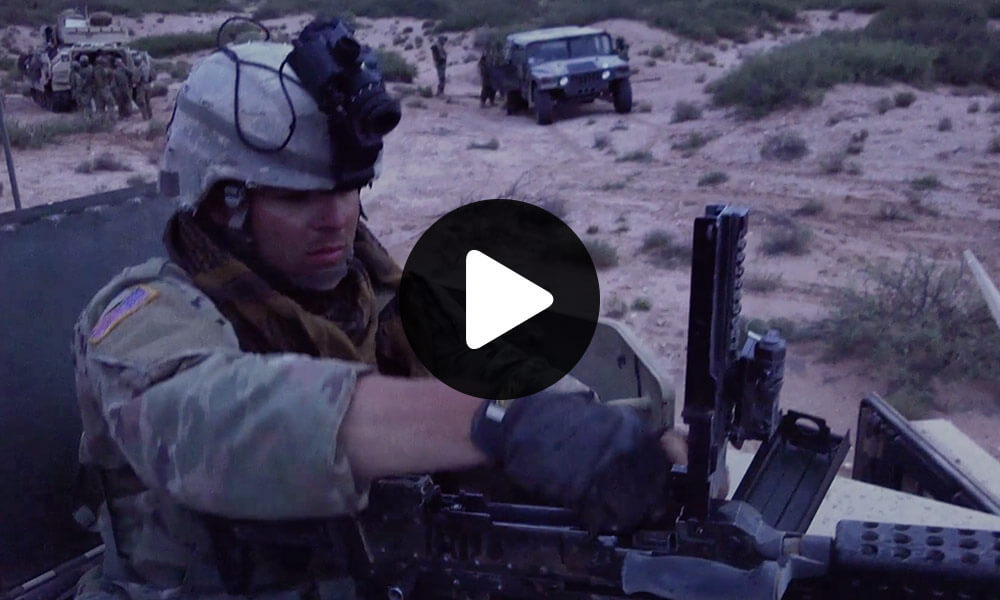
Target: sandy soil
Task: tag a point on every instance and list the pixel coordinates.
(429, 170)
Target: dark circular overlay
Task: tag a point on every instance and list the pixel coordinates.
(536, 245)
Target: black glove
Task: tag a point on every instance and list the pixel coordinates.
(599, 460)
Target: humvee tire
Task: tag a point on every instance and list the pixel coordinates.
(543, 107)
(622, 92)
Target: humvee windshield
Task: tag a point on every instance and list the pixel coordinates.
(588, 45)
(75, 22)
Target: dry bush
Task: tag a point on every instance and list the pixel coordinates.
(832, 162)
(640, 156)
(685, 111)
(927, 182)
(884, 105)
(642, 304)
(904, 99)
(993, 147)
(762, 283)
(944, 124)
(713, 178)
(601, 141)
(810, 208)
(787, 237)
(602, 253)
(663, 251)
(920, 322)
(491, 144)
(657, 51)
(785, 146)
(973, 107)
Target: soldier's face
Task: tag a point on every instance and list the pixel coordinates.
(306, 236)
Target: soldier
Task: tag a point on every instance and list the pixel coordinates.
(260, 373)
(122, 89)
(103, 80)
(621, 47)
(141, 78)
(487, 91)
(75, 83)
(86, 78)
(440, 61)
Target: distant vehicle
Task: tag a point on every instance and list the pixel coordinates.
(47, 69)
(543, 67)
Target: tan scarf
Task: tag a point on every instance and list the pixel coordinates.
(344, 323)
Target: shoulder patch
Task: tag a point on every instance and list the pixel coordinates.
(124, 305)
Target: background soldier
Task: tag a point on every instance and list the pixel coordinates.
(487, 91)
(75, 83)
(440, 61)
(102, 86)
(86, 75)
(141, 79)
(621, 47)
(122, 88)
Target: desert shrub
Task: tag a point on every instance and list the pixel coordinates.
(994, 107)
(763, 283)
(51, 130)
(920, 322)
(602, 253)
(832, 162)
(692, 142)
(785, 146)
(993, 146)
(663, 251)
(921, 205)
(810, 208)
(601, 141)
(973, 108)
(787, 237)
(702, 55)
(904, 99)
(394, 67)
(592, 229)
(890, 211)
(796, 74)
(944, 124)
(685, 111)
(642, 156)
(657, 51)
(644, 107)
(713, 178)
(172, 44)
(642, 304)
(612, 186)
(555, 205)
(38, 12)
(883, 105)
(926, 182)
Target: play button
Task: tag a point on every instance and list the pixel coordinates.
(499, 299)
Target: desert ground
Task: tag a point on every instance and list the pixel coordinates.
(429, 169)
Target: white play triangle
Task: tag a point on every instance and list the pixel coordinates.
(497, 299)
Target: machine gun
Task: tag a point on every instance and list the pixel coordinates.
(420, 540)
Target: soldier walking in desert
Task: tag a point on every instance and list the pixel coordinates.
(440, 61)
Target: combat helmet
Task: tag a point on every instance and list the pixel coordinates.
(245, 115)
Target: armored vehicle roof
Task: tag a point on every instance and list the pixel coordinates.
(551, 33)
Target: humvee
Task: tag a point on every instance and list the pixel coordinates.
(48, 68)
(56, 256)
(544, 67)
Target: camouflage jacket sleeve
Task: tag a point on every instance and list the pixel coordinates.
(164, 386)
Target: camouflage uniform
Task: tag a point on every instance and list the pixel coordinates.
(86, 75)
(122, 89)
(440, 62)
(140, 83)
(184, 424)
(102, 86)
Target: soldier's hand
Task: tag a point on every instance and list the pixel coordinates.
(600, 460)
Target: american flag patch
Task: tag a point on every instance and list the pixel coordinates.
(127, 303)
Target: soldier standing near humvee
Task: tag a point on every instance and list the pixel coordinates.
(487, 91)
(440, 61)
(102, 86)
(86, 78)
(122, 89)
(140, 89)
